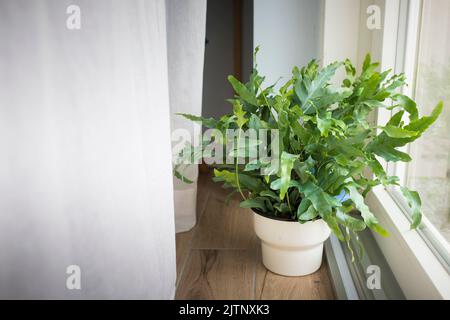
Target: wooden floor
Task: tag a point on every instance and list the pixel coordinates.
(220, 257)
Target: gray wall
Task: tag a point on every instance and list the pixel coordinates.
(218, 58)
(219, 63)
(247, 39)
(288, 33)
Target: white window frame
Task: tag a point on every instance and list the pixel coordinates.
(416, 264)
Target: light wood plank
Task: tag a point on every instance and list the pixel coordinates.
(203, 192)
(217, 274)
(183, 247)
(271, 286)
(231, 267)
(224, 226)
(184, 239)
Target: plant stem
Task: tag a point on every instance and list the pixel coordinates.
(288, 203)
(236, 168)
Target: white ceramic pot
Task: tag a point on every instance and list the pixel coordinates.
(290, 248)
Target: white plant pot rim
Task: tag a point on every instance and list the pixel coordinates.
(274, 217)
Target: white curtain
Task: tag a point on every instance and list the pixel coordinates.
(85, 164)
(186, 23)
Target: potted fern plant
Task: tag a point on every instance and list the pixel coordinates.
(327, 156)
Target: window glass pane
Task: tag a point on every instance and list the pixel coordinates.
(429, 172)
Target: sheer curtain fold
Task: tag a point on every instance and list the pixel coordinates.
(85, 165)
(186, 23)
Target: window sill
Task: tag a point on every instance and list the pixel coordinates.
(418, 271)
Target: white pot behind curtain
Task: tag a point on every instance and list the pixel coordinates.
(85, 165)
(186, 23)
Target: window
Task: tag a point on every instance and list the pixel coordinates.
(414, 40)
(426, 58)
(429, 173)
(414, 34)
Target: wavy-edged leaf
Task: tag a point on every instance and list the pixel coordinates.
(225, 176)
(253, 165)
(379, 172)
(256, 123)
(242, 91)
(306, 215)
(322, 202)
(286, 165)
(282, 207)
(255, 203)
(350, 222)
(368, 217)
(239, 114)
(304, 169)
(409, 105)
(254, 184)
(275, 185)
(334, 226)
(207, 122)
(308, 89)
(270, 194)
(414, 202)
(385, 147)
(324, 124)
(396, 132)
(422, 124)
(251, 183)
